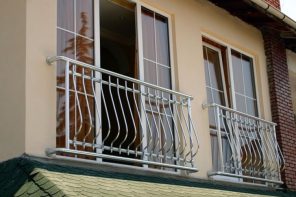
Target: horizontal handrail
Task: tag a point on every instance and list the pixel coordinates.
(238, 112)
(53, 59)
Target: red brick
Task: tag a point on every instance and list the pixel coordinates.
(281, 101)
(275, 3)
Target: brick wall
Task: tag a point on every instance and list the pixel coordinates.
(281, 103)
(275, 3)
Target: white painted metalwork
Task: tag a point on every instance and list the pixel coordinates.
(163, 115)
(247, 147)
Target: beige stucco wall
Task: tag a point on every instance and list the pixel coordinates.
(189, 21)
(291, 60)
(27, 84)
(12, 78)
(40, 78)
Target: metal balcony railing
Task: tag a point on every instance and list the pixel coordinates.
(106, 116)
(246, 147)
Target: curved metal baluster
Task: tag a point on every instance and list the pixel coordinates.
(271, 149)
(270, 146)
(107, 114)
(227, 133)
(132, 117)
(265, 160)
(124, 119)
(176, 130)
(259, 150)
(169, 124)
(154, 120)
(233, 121)
(252, 140)
(99, 126)
(140, 119)
(116, 116)
(161, 125)
(150, 141)
(237, 141)
(182, 128)
(88, 109)
(265, 143)
(256, 143)
(191, 125)
(261, 164)
(241, 130)
(248, 143)
(188, 129)
(78, 104)
(279, 155)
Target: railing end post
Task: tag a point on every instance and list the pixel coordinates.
(50, 152)
(204, 106)
(49, 60)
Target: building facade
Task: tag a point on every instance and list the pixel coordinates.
(202, 89)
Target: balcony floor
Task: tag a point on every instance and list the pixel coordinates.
(26, 176)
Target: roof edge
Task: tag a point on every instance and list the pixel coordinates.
(275, 12)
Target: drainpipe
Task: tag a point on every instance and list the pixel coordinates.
(275, 12)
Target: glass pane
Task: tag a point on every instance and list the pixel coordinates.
(148, 34)
(150, 75)
(213, 97)
(237, 72)
(218, 97)
(84, 50)
(66, 14)
(215, 154)
(209, 96)
(65, 44)
(162, 39)
(249, 80)
(164, 76)
(206, 66)
(84, 18)
(164, 79)
(252, 107)
(63, 49)
(215, 69)
(240, 103)
(212, 118)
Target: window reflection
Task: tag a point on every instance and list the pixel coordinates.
(244, 83)
(74, 40)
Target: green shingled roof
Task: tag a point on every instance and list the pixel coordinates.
(28, 177)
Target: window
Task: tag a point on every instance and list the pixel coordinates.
(230, 83)
(244, 83)
(128, 38)
(215, 82)
(234, 89)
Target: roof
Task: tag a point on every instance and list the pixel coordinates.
(262, 19)
(28, 177)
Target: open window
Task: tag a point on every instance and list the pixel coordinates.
(120, 104)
